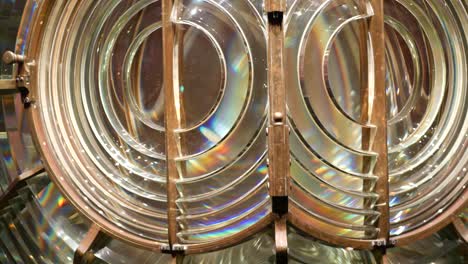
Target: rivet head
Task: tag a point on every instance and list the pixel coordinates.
(278, 117)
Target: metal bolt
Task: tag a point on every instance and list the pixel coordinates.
(10, 57)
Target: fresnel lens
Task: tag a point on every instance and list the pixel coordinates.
(254, 130)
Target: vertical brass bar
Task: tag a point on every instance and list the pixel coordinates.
(281, 240)
(83, 253)
(278, 149)
(278, 130)
(365, 117)
(171, 121)
(460, 227)
(385, 260)
(378, 117)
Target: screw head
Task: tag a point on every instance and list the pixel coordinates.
(8, 57)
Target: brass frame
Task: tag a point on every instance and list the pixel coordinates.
(84, 251)
(171, 121)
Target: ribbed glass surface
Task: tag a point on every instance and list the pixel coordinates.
(103, 111)
(426, 86)
(221, 161)
(40, 226)
(103, 114)
(331, 168)
(427, 83)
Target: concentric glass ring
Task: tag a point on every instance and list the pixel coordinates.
(107, 135)
(426, 49)
(103, 110)
(328, 53)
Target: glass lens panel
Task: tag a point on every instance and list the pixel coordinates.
(104, 111)
(332, 166)
(40, 226)
(103, 114)
(427, 108)
(222, 141)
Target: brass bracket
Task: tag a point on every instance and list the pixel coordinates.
(281, 240)
(23, 81)
(95, 238)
